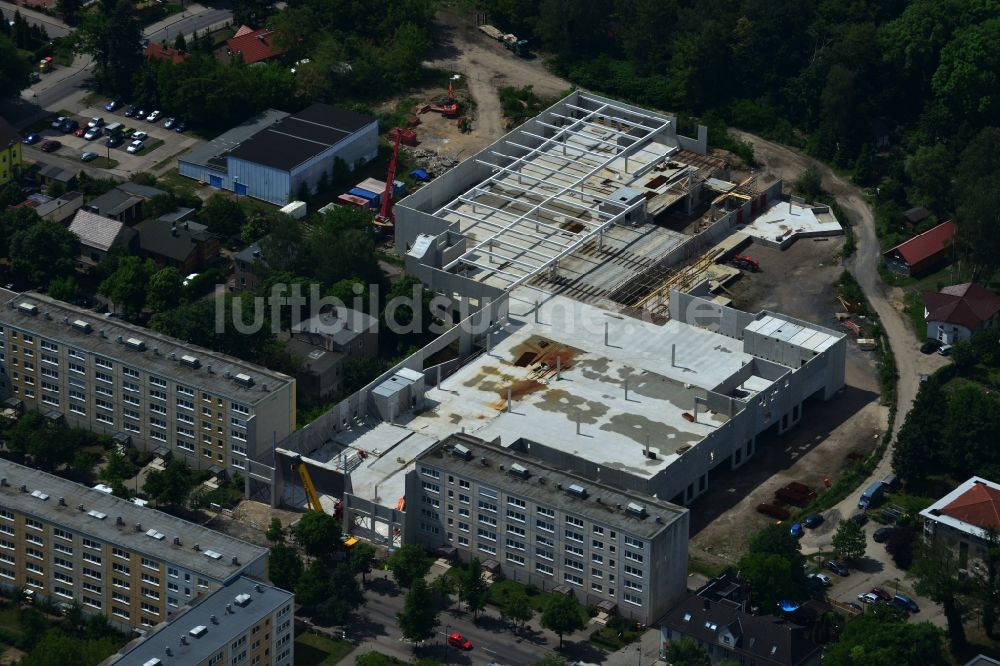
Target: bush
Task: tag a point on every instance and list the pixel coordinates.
(809, 183)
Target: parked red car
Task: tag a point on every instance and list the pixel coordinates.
(81, 131)
(51, 146)
(881, 594)
(459, 641)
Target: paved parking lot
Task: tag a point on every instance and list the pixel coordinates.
(73, 146)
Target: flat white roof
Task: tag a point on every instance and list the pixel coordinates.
(786, 220)
(774, 326)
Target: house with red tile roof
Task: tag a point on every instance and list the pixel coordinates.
(923, 253)
(963, 519)
(956, 313)
(253, 45)
(157, 51)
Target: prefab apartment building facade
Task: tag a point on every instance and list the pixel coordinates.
(548, 528)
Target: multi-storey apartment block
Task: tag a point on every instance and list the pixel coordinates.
(136, 565)
(127, 381)
(610, 548)
(244, 623)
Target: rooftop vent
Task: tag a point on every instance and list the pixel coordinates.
(229, 609)
(97, 514)
(119, 339)
(136, 344)
(152, 662)
(484, 461)
(577, 491)
(28, 308)
(39, 494)
(190, 361)
(177, 541)
(243, 380)
(213, 619)
(462, 452)
(138, 527)
(173, 356)
(82, 326)
(236, 561)
(24, 488)
(637, 510)
(154, 534)
(80, 507)
(258, 587)
(242, 600)
(214, 555)
(519, 471)
(62, 501)
(199, 631)
(119, 521)
(197, 546)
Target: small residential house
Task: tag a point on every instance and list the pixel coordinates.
(958, 312)
(187, 246)
(923, 253)
(125, 202)
(719, 623)
(325, 344)
(244, 266)
(50, 174)
(913, 217)
(100, 235)
(61, 209)
(157, 51)
(961, 520)
(253, 45)
(10, 152)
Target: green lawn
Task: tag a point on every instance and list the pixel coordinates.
(103, 163)
(312, 649)
(501, 589)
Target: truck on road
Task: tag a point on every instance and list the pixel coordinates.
(491, 32)
(517, 46)
(873, 495)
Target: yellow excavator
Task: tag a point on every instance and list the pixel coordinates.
(313, 497)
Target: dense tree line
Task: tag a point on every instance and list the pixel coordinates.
(841, 78)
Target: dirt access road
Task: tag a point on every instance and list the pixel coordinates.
(487, 66)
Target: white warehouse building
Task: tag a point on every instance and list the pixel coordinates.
(272, 156)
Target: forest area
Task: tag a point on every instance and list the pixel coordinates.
(900, 94)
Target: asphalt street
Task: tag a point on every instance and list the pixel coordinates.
(53, 26)
(194, 18)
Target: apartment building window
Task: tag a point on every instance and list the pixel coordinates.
(545, 541)
(122, 583)
(487, 506)
(34, 582)
(570, 578)
(62, 534)
(150, 593)
(131, 400)
(105, 391)
(157, 381)
(431, 487)
(120, 612)
(51, 374)
(573, 536)
(103, 363)
(489, 550)
(76, 354)
(516, 545)
(93, 559)
(428, 471)
(6, 515)
(7, 529)
(119, 552)
(240, 409)
(544, 525)
(33, 524)
(573, 564)
(545, 554)
(597, 559)
(487, 520)
(34, 568)
(150, 564)
(635, 557)
(62, 591)
(491, 493)
(187, 446)
(633, 571)
(464, 527)
(104, 377)
(515, 558)
(157, 435)
(519, 531)
(184, 390)
(63, 578)
(486, 534)
(184, 418)
(596, 573)
(516, 515)
(462, 483)
(575, 550)
(464, 499)
(60, 562)
(130, 372)
(185, 404)
(62, 548)
(632, 585)
(570, 520)
(105, 418)
(50, 359)
(76, 367)
(633, 599)
(34, 552)
(236, 434)
(514, 501)
(92, 573)
(150, 608)
(131, 387)
(543, 568)
(156, 394)
(634, 543)
(77, 409)
(45, 344)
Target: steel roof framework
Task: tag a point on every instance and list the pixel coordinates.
(547, 197)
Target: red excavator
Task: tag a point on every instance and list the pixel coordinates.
(447, 107)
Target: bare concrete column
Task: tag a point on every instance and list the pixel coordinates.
(508, 400)
(605, 334)
(673, 356)
(438, 384)
(558, 367)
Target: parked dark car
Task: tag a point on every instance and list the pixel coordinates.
(930, 347)
(882, 534)
(112, 105)
(115, 140)
(69, 125)
(180, 126)
(130, 110)
(31, 138)
(813, 520)
(908, 602)
(860, 518)
(899, 605)
(838, 568)
(50, 146)
(881, 594)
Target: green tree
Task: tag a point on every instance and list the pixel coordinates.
(69, 10)
(126, 286)
(163, 291)
(937, 572)
(180, 43)
(64, 288)
(14, 70)
(562, 615)
(170, 486)
(275, 532)
(809, 183)
(48, 444)
(363, 558)
(118, 467)
(517, 609)
(881, 637)
(918, 443)
(319, 534)
(849, 540)
(418, 618)
(345, 596)
(472, 587)
(686, 652)
(44, 251)
(771, 580)
(401, 57)
(84, 462)
(222, 215)
(284, 566)
(409, 564)
(54, 646)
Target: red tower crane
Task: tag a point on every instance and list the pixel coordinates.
(385, 218)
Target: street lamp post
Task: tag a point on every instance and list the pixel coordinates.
(447, 633)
